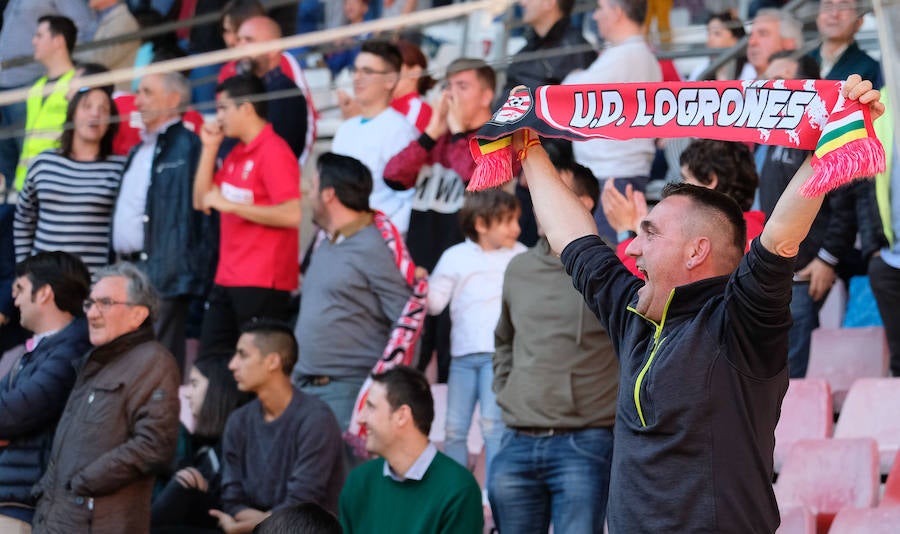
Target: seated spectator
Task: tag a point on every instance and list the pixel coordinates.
(113, 20)
(723, 30)
(724, 166)
(48, 290)
(343, 57)
(414, 82)
(411, 488)
(839, 55)
(120, 425)
(305, 518)
(289, 115)
(379, 132)
(184, 502)
(69, 193)
(772, 31)
(283, 448)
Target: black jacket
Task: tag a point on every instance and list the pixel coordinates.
(179, 241)
(552, 69)
(699, 394)
(32, 398)
(833, 231)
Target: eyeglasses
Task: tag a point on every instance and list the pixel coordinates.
(366, 71)
(837, 6)
(103, 304)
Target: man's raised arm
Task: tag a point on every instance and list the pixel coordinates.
(793, 214)
(562, 216)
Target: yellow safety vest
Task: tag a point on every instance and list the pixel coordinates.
(44, 122)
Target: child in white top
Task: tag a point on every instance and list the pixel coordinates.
(469, 276)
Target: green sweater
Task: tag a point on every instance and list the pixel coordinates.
(447, 500)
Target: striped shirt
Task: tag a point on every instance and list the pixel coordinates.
(67, 205)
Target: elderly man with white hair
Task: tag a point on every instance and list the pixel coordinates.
(772, 31)
(155, 225)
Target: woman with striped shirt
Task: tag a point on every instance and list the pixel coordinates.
(69, 193)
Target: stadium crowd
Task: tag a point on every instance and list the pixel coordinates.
(624, 357)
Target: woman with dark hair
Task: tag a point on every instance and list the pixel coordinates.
(69, 193)
(184, 502)
(723, 30)
(414, 82)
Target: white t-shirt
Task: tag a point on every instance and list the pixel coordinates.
(374, 142)
(626, 62)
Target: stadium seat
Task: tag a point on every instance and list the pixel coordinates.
(805, 414)
(797, 520)
(891, 495)
(870, 411)
(867, 521)
(828, 475)
(841, 355)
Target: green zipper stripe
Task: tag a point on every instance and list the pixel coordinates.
(656, 344)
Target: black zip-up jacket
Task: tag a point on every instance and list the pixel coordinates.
(32, 398)
(180, 242)
(699, 394)
(548, 70)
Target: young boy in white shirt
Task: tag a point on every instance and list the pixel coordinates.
(469, 276)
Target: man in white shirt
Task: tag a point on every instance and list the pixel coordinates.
(379, 132)
(626, 58)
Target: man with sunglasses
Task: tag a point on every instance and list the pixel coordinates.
(120, 424)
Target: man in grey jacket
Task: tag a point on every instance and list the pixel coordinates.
(556, 378)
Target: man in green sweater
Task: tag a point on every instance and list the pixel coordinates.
(412, 488)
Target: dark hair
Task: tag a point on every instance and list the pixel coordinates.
(244, 88)
(565, 6)
(583, 181)
(412, 57)
(732, 164)
(636, 10)
(222, 396)
(386, 50)
(721, 206)
(304, 518)
(241, 10)
(271, 336)
(65, 274)
(60, 25)
(732, 24)
(349, 177)
(405, 385)
(490, 205)
(807, 68)
(483, 71)
(67, 138)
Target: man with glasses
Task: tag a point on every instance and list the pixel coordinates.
(379, 132)
(839, 55)
(48, 291)
(120, 424)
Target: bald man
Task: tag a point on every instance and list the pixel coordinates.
(288, 114)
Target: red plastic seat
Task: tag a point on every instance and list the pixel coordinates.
(891, 495)
(827, 475)
(867, 521)
(842, 355)
(806, 413)
(797, 520)
(870, 411)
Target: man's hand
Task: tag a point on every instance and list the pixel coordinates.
(3, 319)
(251, 515)
(855, 88)
(213, 199)
(211, 134)
(243, 522)
(349, 106)
(437, 126)
(455, 119)
(189, 477)
(226, 522)
(624, 212)
(821, 277)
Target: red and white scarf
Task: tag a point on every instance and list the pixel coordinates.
(807, 114)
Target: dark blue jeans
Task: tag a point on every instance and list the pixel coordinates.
(12, 120)
(563, 478)
(805, 312)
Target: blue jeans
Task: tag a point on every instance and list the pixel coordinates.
(805, 312)
(339, 395)
(12, 120)
(471, 379)
(563, 477)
